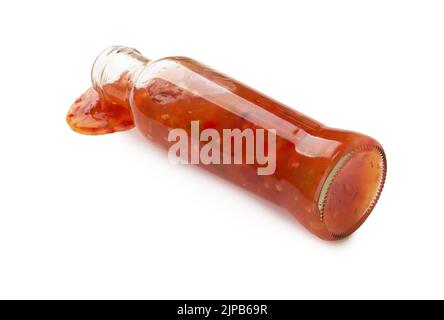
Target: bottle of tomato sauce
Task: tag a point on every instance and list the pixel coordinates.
(329, 179)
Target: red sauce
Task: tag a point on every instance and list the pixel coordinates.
(328, 179)
(93, 113)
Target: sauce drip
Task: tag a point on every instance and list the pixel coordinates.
(92, 114)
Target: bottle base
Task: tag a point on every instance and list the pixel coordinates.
(352, 190)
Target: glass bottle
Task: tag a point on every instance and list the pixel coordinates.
(329, 179)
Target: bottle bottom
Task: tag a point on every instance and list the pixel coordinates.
(352, 189)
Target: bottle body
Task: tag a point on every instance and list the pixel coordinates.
(328, 179)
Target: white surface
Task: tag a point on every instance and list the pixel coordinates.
(109, 217)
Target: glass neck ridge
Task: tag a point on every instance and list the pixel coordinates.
(115, 71)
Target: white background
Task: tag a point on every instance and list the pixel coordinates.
(110, 217)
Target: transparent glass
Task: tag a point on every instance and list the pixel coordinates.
(329, 179)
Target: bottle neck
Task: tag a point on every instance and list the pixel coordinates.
(115, 71)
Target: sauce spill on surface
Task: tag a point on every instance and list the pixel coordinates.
(92, 115)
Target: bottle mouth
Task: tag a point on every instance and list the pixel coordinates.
(352, 190)
(114, 61)
(113, 71)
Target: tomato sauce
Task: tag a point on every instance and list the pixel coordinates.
(329, 179)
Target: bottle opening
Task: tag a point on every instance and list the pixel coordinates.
(352, 189)
(113, 72)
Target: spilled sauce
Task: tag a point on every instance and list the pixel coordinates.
(93, 114)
